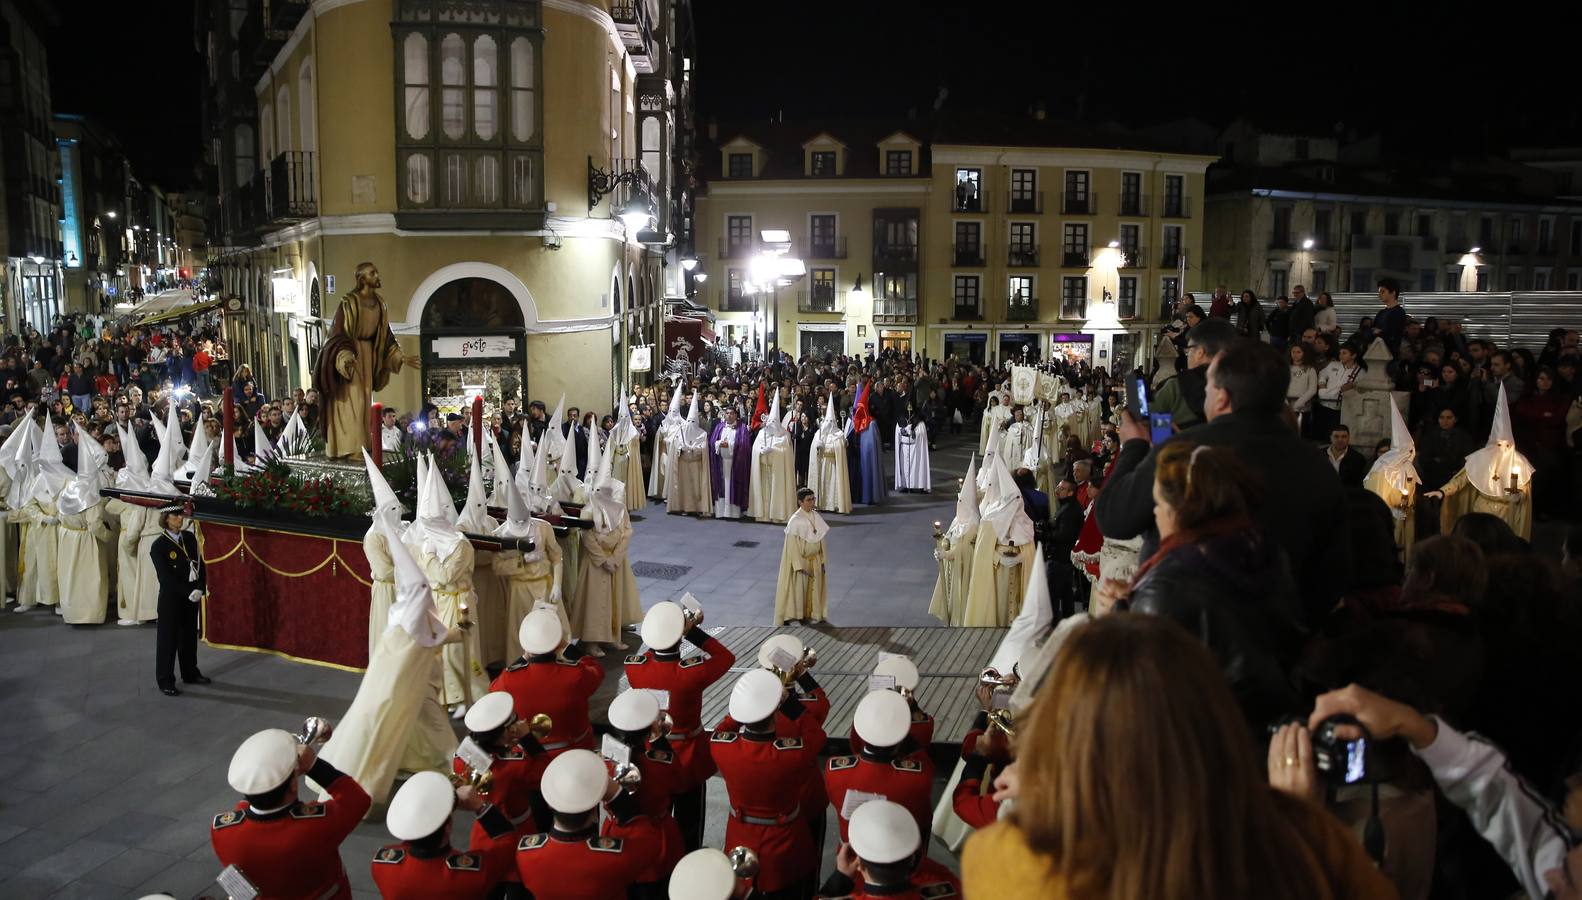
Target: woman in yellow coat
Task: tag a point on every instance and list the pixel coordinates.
(81, 574)
(605, 599)
(802, 588)
(1095, 812)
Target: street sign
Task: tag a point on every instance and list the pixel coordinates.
(481, 347)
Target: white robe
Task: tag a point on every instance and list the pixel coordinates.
(688, 491)
(990, 416)
(827, 474)
(84, 583)
(627, 468)
(771, 497)
(1014, 443)
(382, 594)
(912, 470)
(451, 580)
(39, 586)
(136, 585)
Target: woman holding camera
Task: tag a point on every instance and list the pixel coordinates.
(1183, 815)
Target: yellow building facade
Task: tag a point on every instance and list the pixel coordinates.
(987, 252)
(453, 146)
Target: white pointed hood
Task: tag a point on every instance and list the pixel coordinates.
(772, 435)
(829, 433)
(1394, 467)
(49, 473)
(414, 610)
(1029, 626)
(518, 523)
(295, 434)
(26, 449)
(134, 475)
(440, 502)
(198, 482)
(967, 517)
(991, 453)
(1002, 507)
(434, 529)
(672, 421)
(534, 484)
(475, 511)
(14, 453)
(606, 495)
(1490, 469)
(172, 454)
(82, 491)
(557, 442)
(624, 431)
(502, 472)
(202, 451)
(567, 487)
(263, 447)
(691, 435)
(384, 496)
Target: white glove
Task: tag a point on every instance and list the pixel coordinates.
(195, 596)
(50, 520)
(939, 555)
(554, 594)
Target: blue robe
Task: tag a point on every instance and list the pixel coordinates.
(872, 465)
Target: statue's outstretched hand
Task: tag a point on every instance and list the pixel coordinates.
(345, 364)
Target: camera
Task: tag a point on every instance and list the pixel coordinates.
(1342, 761)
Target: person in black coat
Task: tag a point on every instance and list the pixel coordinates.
(1064, 529)
(1350, 465)
(183, 578)
(1300, 502)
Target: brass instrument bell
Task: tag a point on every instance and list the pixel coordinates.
(1003, 720)
(540, 726)
(629, 777)
(786, 677)
(690, 618)
(314, 731)
(662, 726)
(482, 782)
(744, 862)
(809, 658)
(991, 677)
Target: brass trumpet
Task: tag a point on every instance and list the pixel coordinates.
(690, 619)
(1003, 720)
(661, 727)
(314, 731)
(540, 726)
(991, 677)
(744, 862)
(629, 777)
(482, 782)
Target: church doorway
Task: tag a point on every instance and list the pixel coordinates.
(474, 342)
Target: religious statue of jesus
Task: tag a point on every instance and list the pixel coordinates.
(357, 359)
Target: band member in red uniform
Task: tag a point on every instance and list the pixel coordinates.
(636, 724)
(972, 800)
(519, 762)
(424, 866)
(709, 874)
(542, 681)
(572, 861)
(775, 655)
(886, 858)
(766, 776)
(906, 677)
(286, 848)
(887, 767)
(662, 668)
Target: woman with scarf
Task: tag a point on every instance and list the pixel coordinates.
(802, 589)
(605, 599)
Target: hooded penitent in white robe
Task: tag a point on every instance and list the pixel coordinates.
(136, 585)
(1496, 479)
(986, 469)
(826, 465)
(14, 456)
(689, 490)
(488, 612)
(382, 595)
(912, 470)
(1003, 555)
(996, 414)
(81, 574)
(802, 589)
(395, 722)
(772, 491)
(626, 449)
(445, 557)
(39, 585)
(1015, 441)
(954, 549)
(605, 598)
(1393, 478)
(531, 578)
(663, 461)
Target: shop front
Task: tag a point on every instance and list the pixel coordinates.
(1071, 348)
(969, 346)
(897, 339)
(1022, 347)
(820, 339)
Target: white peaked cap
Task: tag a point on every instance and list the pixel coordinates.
(902, 669)
(540, 632)
(413, 610)
(783, 641)
(882, 718)
(883, 832)
(492, 711)
(755, 696)
(502, 472)
(1032, 623)
(264, 762)
(475, 511)
(663, 625)
(967, 516)
(384, 496)
(634, 710)
(263, 448)
(1490, 469)
(575, 782)
(421, 807)
(704, 874)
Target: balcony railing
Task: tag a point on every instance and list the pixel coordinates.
(1170, 258)
(1074, 204)
(1134, 257)
(967, 313)
(729, 250)
(636, 31)
(969, 255)
(892, 311)
(827, 247)
(973, 203)
(1074, 259)
(1177, 207)
(291, 192)
(1133, 205)
(1025, 203)
(820, 301)
(884, 253)
(1021, 309)
(1022, 255)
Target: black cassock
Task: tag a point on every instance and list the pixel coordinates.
(180, 569)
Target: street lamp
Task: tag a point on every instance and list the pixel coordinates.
(635, 214)
(689, 263)
(111, 214)
(1307, 244)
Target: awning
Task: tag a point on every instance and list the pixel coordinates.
(177, 313)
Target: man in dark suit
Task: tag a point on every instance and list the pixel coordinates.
(1034, 501)
(183, 579)
(1296, 494)
(1348, 463)
(1064, 530)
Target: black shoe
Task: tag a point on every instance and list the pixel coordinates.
(201, 679)
(171, 691)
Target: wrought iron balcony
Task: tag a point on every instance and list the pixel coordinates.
(820, 300)
(892, 311)
(1025, 203)
(1134, 257)
(1075, 204)
(1021, 309)
(1177, 207)
(967, 313)
(969, 255)
(636, 31)
(1133, 205)
(1022, 255)
(292, 196)
(1075, 259)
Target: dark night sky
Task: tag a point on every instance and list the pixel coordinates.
(1453, 83)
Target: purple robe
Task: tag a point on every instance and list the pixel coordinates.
(741, 465)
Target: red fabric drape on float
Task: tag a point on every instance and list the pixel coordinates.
(293, 595)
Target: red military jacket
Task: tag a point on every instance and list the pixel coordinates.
(767, 778)
(402, 872)
(560, 689)
(906, 780)
(581, 865)
(663, 779)
(516, 774)
(971, 801)
(685, 680)
(296, 851)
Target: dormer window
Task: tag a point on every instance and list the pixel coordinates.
(898, 162)
(821, 163)
(740, 165)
